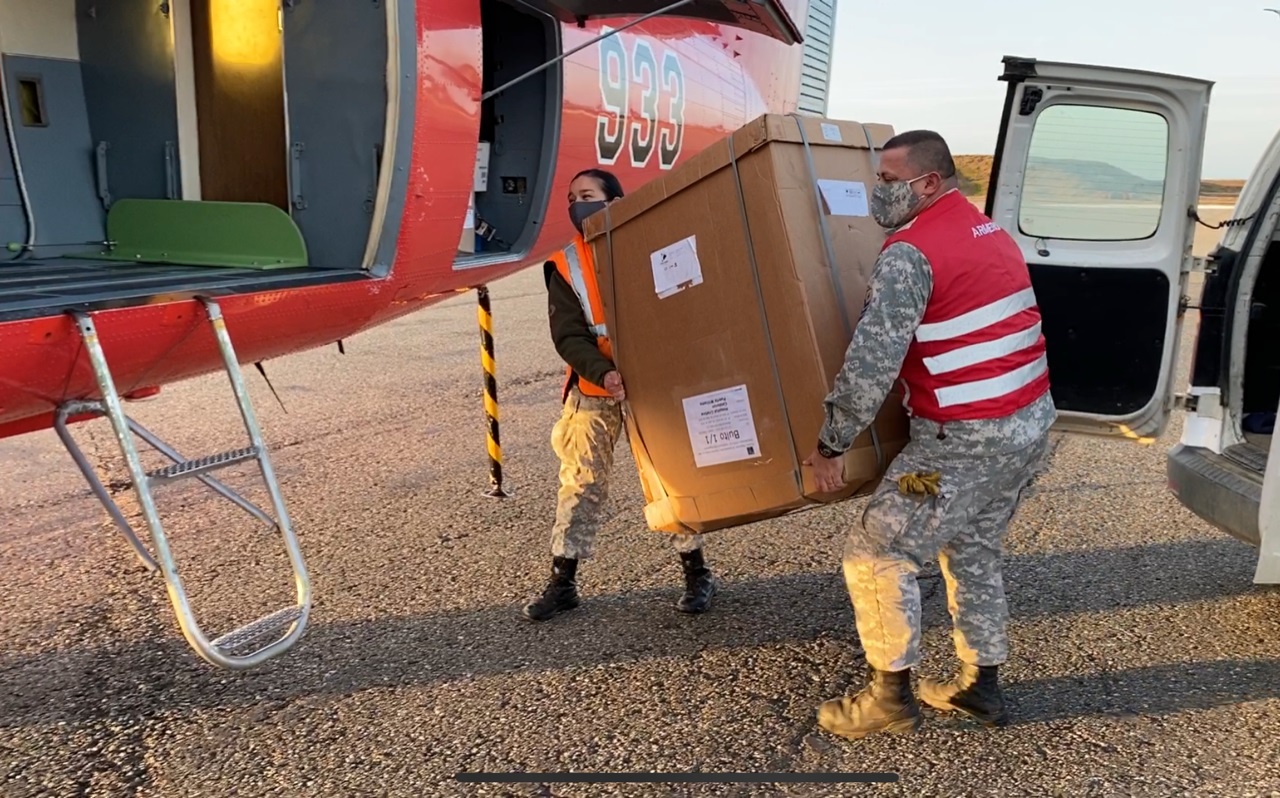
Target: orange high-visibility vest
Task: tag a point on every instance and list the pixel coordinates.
(576, 266)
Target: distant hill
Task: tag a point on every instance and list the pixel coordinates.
(974, 172)
(1066, 178)
(1221, 189)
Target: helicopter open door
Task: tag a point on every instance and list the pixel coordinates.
(766, 17)
(1096, 176)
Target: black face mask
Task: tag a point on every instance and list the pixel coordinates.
(580, 210)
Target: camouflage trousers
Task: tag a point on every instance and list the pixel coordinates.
(963, 528)
(584, 439)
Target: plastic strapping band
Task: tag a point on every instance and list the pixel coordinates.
(822, 225)
(764, 316)
(871, 145)
(830, 251)
(613, 290)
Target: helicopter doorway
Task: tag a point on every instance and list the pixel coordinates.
(520, 126)
(292, 111)
(238, 63)
(261, 115)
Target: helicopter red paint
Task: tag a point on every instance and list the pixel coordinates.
(637, 102)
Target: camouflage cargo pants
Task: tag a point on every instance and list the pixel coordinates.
(963, 528)
(584, 439)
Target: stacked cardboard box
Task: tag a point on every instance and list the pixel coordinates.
(729, 323)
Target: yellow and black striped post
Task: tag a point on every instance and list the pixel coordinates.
(485, 316)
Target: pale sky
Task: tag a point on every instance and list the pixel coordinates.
(934, 63)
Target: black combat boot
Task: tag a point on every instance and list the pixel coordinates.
(699, 584)
(560, 594)
(974, 691)
(885, 705)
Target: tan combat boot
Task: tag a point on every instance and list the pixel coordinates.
(885, 705)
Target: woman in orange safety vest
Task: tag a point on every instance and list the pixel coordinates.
(591, 421)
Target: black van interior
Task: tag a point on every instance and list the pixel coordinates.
(1262, 353)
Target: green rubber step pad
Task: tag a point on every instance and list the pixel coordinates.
(236, 235)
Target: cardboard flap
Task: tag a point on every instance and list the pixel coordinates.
(658, 511)
(661, 516)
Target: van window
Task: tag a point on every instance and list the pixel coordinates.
(1094, 174)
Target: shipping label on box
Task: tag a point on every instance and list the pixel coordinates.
(721, 427)
(676, 267)
(845, 197)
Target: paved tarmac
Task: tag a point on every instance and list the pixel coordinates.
(1144, 661)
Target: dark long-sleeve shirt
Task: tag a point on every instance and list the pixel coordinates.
(573, 338)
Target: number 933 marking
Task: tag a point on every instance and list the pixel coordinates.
(657, 81)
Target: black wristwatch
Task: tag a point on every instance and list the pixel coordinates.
(827, 452)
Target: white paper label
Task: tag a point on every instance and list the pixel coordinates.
(845, 197)
(721, 427)
(676, 267)
(831, 132)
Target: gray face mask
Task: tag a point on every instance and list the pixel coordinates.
(893, 204)
(580, 210)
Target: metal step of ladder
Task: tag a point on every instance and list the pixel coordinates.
(225, 651)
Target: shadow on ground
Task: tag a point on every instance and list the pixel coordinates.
(135, 679)
(1153, 690)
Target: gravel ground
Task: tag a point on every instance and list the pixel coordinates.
(1144, 660)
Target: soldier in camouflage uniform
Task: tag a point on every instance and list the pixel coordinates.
(591, 422)
(950, 309)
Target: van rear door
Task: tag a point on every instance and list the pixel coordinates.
(1096, 173)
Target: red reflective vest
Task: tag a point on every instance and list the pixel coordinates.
(576, 266)
(978, 352)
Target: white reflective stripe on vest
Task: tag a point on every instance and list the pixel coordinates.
(981, 390)
(974, 354)
(975, 320)
(580, 288)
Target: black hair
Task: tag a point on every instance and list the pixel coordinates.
(926, 151)
(609, 182)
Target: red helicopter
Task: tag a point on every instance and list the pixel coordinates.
(196, 184)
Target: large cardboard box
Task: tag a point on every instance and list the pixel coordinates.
(729, 323)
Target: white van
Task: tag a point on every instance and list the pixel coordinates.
(1219, 468)
(1097, 177)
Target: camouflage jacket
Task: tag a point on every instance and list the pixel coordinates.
(896, 298)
